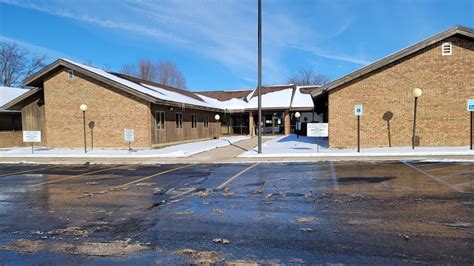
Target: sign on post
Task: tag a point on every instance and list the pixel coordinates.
(129, 136)
(470, 105)
(470, 109)
(358, 110)
(32, 137)
(319, 130)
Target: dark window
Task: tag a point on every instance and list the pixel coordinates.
(10, 122)
(194, 121)
(206, 121)
(179, 120)
(160, 119)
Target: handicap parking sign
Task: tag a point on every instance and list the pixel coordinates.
(358, 110)
(470, 105)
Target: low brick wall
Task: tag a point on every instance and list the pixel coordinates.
(11, 139)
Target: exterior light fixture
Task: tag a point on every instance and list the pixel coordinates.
(83, 108)
(217, 117)
(416, 92)
(298, 124)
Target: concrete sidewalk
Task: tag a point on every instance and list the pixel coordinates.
(233, 154)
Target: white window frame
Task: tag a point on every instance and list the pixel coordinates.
(70, 74)
(179, 123)
(159, 120)
(443, 50)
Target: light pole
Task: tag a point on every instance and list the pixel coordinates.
(259, 76)
(297, 116)
(416, 92)
(218, 117)
(83, 108)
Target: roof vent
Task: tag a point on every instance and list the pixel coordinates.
(446, 48)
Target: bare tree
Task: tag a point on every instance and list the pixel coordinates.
(163, 71)
(17, 63)
(130, 69)
(307, 76)
(168, 73)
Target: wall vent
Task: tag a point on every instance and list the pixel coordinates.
(70, 74)
(447, 48)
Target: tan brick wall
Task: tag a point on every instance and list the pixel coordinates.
(11, 139)
(447, 82)
(111, 109)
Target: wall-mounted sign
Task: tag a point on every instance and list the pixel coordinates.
(129, 135)
(358, 110)
(470, 105)
(31, 136)
(317, 130)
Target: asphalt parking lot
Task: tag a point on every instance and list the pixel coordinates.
(290, 213)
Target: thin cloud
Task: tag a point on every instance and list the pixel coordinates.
(224, 31)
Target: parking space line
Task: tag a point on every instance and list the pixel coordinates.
(74, 176)
(453, 187)
(151, 176)
(333, 176)
(29, 171)
(444, 167)
(231, 179)
(456, 174)
(465, 184)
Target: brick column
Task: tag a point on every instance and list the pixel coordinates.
(287, 123)
(251, 125)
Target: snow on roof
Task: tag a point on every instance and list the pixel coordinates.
(301, 100)
(9, 93)
(276, 99)
(272, 99)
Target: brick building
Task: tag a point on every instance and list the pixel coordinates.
(10, 120)
(441, 66)
(158, 114)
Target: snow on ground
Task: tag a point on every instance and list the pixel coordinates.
(291, 146)
(180, 150)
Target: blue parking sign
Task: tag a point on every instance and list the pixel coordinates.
(358, 110)
(470, 105)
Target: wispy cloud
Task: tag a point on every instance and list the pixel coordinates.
(38, 50)
(224, 31)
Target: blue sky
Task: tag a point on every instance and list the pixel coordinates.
(214, 41)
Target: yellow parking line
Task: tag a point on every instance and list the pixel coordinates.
(150, 176)
(221, 186)
(28, 171)
(74, 176)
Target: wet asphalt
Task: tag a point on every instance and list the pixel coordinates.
(281, 213)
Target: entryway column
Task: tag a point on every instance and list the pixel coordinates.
(251, 125)
(287, 123)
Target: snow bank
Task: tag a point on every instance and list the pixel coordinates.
(290, 146)
(175, 151)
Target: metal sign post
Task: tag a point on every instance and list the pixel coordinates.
(358, 111)
(129, 136)
(470, 109)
